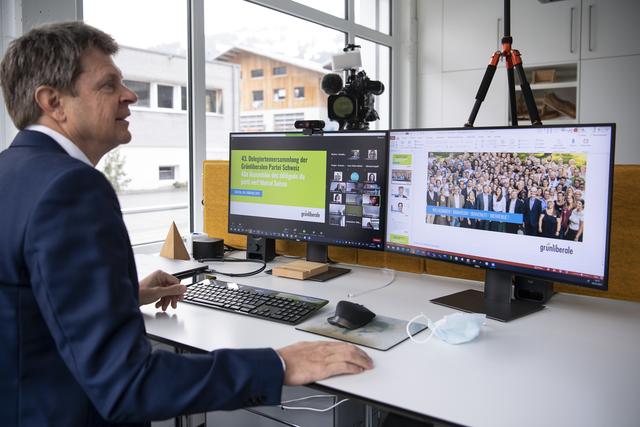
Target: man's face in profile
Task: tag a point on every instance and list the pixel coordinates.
(96, 115)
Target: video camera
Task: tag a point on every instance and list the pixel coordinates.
(351, 105)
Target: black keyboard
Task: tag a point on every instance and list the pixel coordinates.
(258, 302)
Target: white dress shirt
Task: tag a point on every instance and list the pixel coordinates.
(66, 144)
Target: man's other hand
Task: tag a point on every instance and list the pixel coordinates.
(162, 287)
(307, 362)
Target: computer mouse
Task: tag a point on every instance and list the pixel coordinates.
(351, 315)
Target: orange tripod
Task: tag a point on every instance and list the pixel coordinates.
(512, 61)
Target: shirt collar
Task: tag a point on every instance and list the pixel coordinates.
(66, 144)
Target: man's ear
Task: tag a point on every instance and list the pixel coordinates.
(49, 101)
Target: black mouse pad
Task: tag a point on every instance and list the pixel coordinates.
(381, 333)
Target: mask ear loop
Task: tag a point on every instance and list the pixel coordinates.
(408, 328)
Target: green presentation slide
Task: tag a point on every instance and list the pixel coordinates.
(279, 177)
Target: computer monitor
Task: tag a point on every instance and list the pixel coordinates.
(524, 201)
(322, 189)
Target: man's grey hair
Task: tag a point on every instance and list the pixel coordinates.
(48, 55)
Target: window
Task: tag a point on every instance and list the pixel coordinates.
(155, 50)
(284, 122)
(166, 173)
(279, 95)
(334, 7)
(257, 73)
(213, 99)
(375, 14)
(298, 92)
(279, 71)
(142, 89)
(258, 99)
(165, 96)
(152, 169)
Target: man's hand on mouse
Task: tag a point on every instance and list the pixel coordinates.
(307, 362)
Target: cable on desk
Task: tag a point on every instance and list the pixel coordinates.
(393, 278)
(229, 248)
(305, 408)
(250, 273)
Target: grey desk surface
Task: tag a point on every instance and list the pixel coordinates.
(573, 364)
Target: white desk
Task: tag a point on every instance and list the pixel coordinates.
(573, 364)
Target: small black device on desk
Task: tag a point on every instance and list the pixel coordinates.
(257, 302)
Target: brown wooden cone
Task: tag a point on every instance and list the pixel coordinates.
(173, 247)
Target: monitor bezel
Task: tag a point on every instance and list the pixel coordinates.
(383, 205)
(555, 277)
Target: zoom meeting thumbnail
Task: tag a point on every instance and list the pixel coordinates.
(320, 188)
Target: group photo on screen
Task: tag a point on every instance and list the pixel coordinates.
(535, 194)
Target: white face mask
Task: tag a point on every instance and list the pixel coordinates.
(454, 328)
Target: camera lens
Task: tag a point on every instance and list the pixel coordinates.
(343, 106)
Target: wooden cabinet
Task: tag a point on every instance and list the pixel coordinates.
(609, 93)
(546, 32)
(610, 28)
(471, 33)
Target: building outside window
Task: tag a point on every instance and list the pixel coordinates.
(284, 122)
(167, 172)
(257, 73)
(279, 71)
(279, 94)
(298, 92)
(142, 89)
(252, 123)
(165, 96)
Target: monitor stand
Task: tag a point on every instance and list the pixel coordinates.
(495, 301)
(317, 252)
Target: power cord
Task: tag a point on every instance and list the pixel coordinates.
(305, 408)
(250, 273)
(393, 278)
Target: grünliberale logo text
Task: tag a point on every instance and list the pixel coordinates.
(557, 249)
(309, 213)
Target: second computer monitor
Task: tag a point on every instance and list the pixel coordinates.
(324, 189)
(532, 201)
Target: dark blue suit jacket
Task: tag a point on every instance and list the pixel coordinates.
(532, 213)
(73, 349)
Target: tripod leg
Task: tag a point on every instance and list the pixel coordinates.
(484, 88)
(534, 115)
(513, 110)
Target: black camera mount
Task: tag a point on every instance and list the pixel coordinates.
(351, 105)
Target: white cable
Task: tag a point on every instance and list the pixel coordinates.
(393, 278)
(315, 396)
(304, 408)
(408, 329)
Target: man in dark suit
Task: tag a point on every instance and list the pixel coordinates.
(74, 351)
(484, 202)
(515, 206)
(532, 211)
